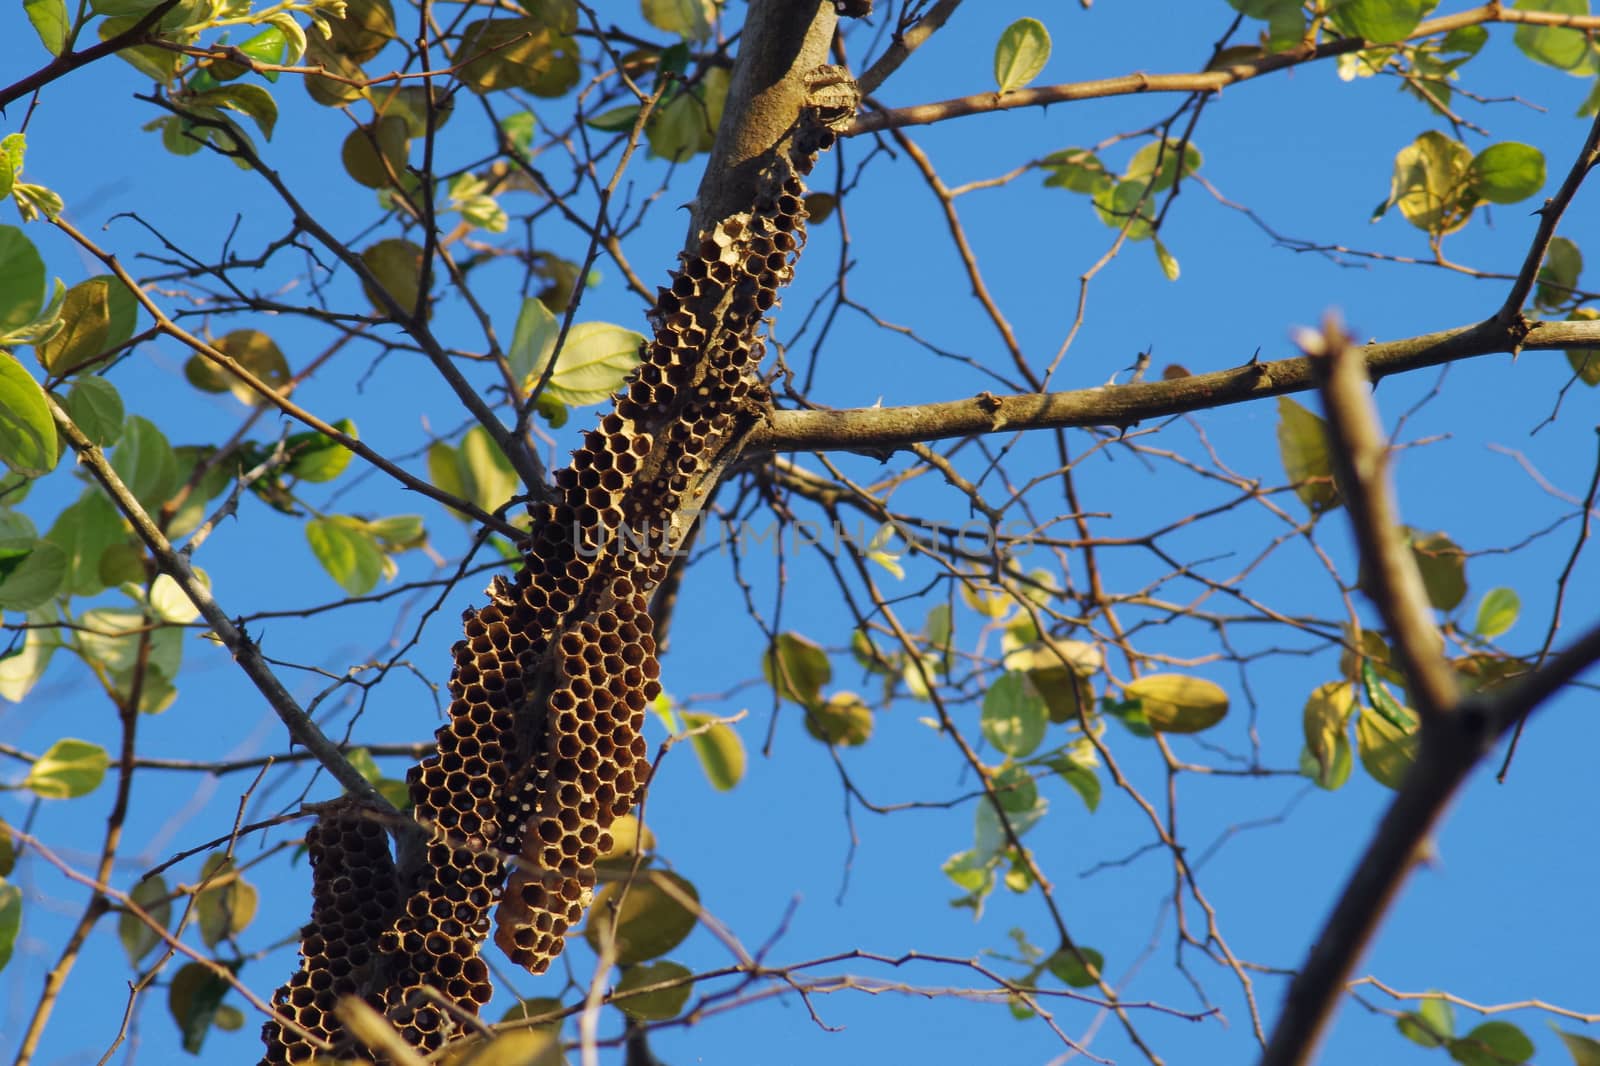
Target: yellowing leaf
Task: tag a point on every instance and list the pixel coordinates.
(1177, 703)
(1326, 723)
(1386, 750)
(1431, 184)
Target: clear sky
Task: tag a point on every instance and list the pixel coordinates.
(1501, 913)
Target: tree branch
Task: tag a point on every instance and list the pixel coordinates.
(301, 727)
(67, 62)
(904, 44)
(781, 42)
(1206, 81)
(277, 399)
(879, 430)
(1550, 217)
(1361, 463)
(1456, 732)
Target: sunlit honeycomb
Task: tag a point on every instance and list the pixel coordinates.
(353, 897)
(542, 747)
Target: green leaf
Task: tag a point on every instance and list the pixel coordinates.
(270, 46)
(84, 531)
(50, 21)
(843, 719)
(720, 750)
(989, 835)
(69, 769)
(347, 551)
(193, 999)
(1558, 276)
(1585, 1051)
(489, 472)
(1492, 1043)
(13, 147)
(657, 912)
(1326, 722)
(1431, 1026)
(1555, 46)
(1076, 766)
(1014, 715)
(1021, 54)
(375, 155)
(367, 26)
(1506, 173)
(1078, 170)
(1382, 21)
(1126, 205)
(1157, 164)
(21, 671)
(22, 279)
(514, 53)
(1080, 968)
(1386, 751)
(8, 850)
(591, 365)
(96, 409)
(1385, 704)
(658, 1005)
(399, 532)
(519, 128)
(111, 639)
(318, 458)
(535, 1007)
(1432, 183)
(1497, 612)
(1016, 789)
(1168, 261)
(245, 98)
(396, 265)
(226, 908)
(1444, 569)
(1177, 703)
(151, 896)
(1303, 447)
(146, 463)
(796, 669)
(32, 571)
(10, 919)
(27, 432)
(532, 342)
(689, 19)
(155, 63)
(36, 200)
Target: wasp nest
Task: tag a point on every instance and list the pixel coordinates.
(353, 896)
(542, 749)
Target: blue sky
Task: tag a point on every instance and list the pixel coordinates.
(1492, 918)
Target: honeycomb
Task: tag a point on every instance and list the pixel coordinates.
(353, 896)
(542, 748)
